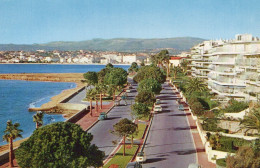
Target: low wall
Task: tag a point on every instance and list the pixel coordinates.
(71, 106)
(239, 115)
(4, 157)
(77, 116)
(72, 95)
(213, 155)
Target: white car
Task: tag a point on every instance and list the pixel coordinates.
(140, 157)
(157, 108)
(128, 91)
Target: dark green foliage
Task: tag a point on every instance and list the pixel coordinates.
(125, 127)
(91, 77)
(102, 73)
(117, 77)
(134, 67)
(230, 144)
(150, 85)
(109, 65)
(140, 110)
(61, 144)
(150, 72)
(236, 106)
(145, 97)
(210, 124)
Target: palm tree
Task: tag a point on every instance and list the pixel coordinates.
(37, 118)
(252, 120)
(184, 65)
(90, 97)
(175, 70)
(11, 132)
(101, 88)
(196, 85)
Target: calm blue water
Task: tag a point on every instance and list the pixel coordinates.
(17, 96)
(51, 68)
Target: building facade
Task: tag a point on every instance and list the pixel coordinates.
(231, 67)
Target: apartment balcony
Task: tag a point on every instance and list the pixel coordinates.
(223, 82)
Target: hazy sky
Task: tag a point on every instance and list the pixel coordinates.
(41, 21)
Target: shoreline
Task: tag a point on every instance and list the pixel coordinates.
(50, 77)
(62, 64)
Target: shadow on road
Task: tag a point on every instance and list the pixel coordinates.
(154, 160)
(186, 114)
(112, 118)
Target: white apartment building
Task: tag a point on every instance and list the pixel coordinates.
(128, 59)
(231, 67)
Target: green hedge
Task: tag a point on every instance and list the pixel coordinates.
(230, 144)
(221, 162)
(236, 106)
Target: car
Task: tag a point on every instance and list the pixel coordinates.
(130, 87)
(134, 165)
(157, 108)
(128, 90)
(158, 101)
(194, 165)
(181, 107)
(102, 116)
(140, 157)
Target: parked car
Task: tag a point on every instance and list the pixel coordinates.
(140, 157)
(157, 108)
(181, 107)
(194, 165)
(102, 116)
(128, 90)
(134, 165)
(158, 101)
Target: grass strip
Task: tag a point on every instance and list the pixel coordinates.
(121, 160)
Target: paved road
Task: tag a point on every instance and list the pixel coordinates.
(102, 137)
(169, 143)
(80, 96)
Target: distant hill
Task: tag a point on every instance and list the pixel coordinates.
(117, 44)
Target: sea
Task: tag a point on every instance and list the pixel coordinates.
(16, 96)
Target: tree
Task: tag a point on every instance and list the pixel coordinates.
(91, 77)
(11, 133)
(61, 144)
(252, 120)
(134, 67)
(197, 108)
(101, 88)
(145, 97)
(91, 94)
(38, 119)
(112, 91)
(102, 73)
(150, 85)
(246, 157)
(109, 65)
(142, 63)
(140, 110)
(124, 128)
(150, 72)
(196, 85)
(174, 71)
(117, 76)
(184, 65)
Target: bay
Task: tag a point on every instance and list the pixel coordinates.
(17, 96)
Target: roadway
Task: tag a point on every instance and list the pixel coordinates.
(169, 143)
(101, 131)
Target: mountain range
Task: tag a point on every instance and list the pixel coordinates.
(176, 44)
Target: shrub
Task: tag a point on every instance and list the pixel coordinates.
(221, 162)
(150, 85)
(197, 108)
(145, 97)
(236, 106)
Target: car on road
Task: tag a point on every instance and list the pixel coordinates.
(157, 108)
(158, 101)
(140, 157)
(128, 90)
(102, 116)
(134, 165)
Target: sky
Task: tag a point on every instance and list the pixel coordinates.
(42, 21)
